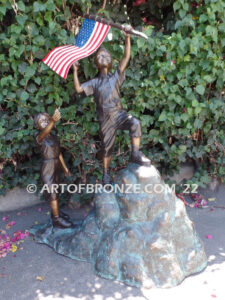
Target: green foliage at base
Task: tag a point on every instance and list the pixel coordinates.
(174, 85)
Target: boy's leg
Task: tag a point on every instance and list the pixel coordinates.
(135, 142)
(106, 178)
(106, 164)
(128, 122)
(108, 134)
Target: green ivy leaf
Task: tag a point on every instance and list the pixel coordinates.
(30, 71)
(24, 96)
(3, 9)
(21, 19)
(200, 89)
(2, 130)
(21, 6)
(162, 117)
(39, 7)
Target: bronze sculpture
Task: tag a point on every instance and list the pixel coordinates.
(130, 236)
(110, 113)
(52, 161)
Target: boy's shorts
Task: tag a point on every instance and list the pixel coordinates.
(112, 122)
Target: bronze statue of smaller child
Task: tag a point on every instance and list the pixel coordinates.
(51, 164)
(111, 116)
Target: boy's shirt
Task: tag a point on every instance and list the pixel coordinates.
(106, 91)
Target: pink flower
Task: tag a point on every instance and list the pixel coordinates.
(209, 236)
(14, 239)
(6, 245)
(204, 202)
(12, 223)
(5, 219)
(173, 62)
(22, 236)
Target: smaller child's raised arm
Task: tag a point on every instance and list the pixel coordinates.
(56, 116)
(76, 81)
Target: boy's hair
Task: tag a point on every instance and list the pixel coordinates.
(37, 117)
(101, 49)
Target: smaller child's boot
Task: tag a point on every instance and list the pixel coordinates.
(63, 215)
(60, 222)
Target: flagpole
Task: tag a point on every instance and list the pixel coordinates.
(116, 25)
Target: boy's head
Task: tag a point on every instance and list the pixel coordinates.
(41, 121)
(103, 59)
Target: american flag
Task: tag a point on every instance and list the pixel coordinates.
(90, 37)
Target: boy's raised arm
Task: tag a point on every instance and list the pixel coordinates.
(76, 81)
(126, 57)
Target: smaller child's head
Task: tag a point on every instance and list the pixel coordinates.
(41, 121)
(103, 59)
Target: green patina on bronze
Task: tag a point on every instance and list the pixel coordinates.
(142, 239)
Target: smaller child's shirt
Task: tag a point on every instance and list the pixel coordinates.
(106, 91)
(50, 147)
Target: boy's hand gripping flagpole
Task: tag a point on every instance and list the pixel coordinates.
(116, 25)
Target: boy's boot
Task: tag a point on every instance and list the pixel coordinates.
(137, 156)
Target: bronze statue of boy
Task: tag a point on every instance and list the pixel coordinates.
(51, 164)
(110, 113)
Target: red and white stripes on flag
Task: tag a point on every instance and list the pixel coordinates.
(60, 59)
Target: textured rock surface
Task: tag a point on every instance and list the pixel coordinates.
(140, 235)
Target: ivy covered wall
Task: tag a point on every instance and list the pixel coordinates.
(174, 85)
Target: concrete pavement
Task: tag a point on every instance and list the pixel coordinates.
(38, 273)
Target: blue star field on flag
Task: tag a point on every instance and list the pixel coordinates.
(85, 32)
